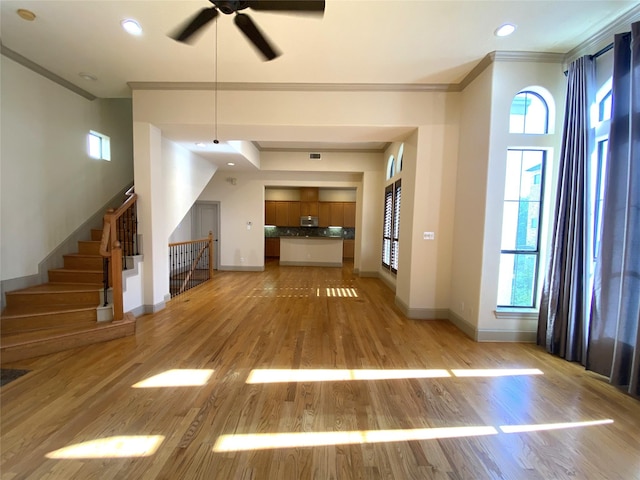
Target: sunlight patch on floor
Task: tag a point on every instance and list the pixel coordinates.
(552, 426)
(111, 447)
(327, 375)
(495, 372)
(262, 441)
(177, 378)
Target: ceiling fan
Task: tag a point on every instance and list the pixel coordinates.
(244, 22)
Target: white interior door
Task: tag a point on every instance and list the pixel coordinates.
(206, 218)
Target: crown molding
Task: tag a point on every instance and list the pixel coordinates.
(25, 62)
(296, 87)
(604, 37)
(531, 57)
(507, 56)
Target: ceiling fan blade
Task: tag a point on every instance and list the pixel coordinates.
(246, 25)
(293, 6)
(203, 17)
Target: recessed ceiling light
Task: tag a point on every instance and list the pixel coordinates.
(88, 77)
(201, 144)
(505, 30)
(25, 14)
(131, 26)
(231, 164)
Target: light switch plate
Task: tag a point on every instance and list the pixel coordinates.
(429, 235)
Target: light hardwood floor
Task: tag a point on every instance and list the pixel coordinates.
(406, 407)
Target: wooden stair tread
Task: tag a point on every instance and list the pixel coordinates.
(83, 255)
(59, 287)
(33, 310)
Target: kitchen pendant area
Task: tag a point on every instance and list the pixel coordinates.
(310, 225)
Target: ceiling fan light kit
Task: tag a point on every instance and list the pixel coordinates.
(256, 37)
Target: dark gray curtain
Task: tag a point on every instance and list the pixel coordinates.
(563, 307)
(614, 339)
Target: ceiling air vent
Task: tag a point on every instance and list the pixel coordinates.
(315, 156)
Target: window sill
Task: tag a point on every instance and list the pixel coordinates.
(516, 313)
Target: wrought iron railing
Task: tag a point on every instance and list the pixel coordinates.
(190, 264)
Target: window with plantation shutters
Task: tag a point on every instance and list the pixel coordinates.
(395, 245)
(391, 227)
(387, 227)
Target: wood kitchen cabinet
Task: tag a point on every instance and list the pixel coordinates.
(309, 209)
(282, 214)
(348, 248)
(272, 247)
(349, 215)
(324, 214)
(337, 214)
(270, 213)
(309, 194)
(294, 214)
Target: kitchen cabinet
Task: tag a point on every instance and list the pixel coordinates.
(309, 194)
(324, 214)
(270, 212)
(309, 209)
(272, 247)
(282, 214)
(294, 214)
(337, 214)
(349, 215)
(348, 248)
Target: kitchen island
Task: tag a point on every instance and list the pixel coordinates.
(311, 251)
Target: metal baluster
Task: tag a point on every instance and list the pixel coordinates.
(171, 269)
(105, 279)
(135, 227)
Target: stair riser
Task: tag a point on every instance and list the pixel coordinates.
(75, 277)
(82, 263)
(89, 248)
(52, 298)
(53, 321)
(96, 235)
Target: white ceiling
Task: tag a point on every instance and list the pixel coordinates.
(355, 42)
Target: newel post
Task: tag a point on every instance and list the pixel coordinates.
(116, 280)
(210, 254)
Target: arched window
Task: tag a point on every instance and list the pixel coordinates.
(390, 167)
(399, 160)
(529, 113)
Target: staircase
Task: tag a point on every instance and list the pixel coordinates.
(65, 313)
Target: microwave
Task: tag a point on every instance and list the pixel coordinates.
(308, 221)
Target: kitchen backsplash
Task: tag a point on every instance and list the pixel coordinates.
(345, 233)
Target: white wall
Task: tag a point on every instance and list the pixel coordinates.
(471, 184)
(168, 181)
(183, 232)
(49, 185)
(428, 203)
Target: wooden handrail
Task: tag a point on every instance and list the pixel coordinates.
(175, 244)
(110, 248)
(104, 241)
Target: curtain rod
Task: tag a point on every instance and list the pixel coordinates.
(602, 51)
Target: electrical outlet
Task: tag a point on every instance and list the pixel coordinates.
(429, 235)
